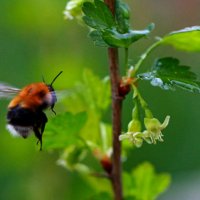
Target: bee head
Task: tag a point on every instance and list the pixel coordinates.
(52, 91)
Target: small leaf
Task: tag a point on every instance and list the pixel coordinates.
(90, 22)
(63, 130)
(97, 15)
(122, 16)
(96, 36)
(92, 93)
(91, 17)
(187, 39)
(105, 13)
(168, 73)
(147, 185)
(116, 39)
(88, 9)
(97, 91)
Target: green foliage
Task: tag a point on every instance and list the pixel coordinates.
(98, 15)
(144, 184)
(122, 16)
(79, 135)
(167, 73)
(106, 31)
(93, 96)
(96, 91)
(63, 130)
(187, 39)
(90, 94)
(117, 39)
(96, 37)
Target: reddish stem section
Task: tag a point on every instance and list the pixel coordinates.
(116, 115)
(111, 5)
(116, 122)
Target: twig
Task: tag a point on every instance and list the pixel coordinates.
(116, 115)
(116, 122)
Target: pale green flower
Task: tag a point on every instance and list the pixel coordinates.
(154, 129)
(135, 138)
(152, 133)
(134, 133)
(73, 9)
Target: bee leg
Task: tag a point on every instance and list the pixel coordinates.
(52, 109)
(38, 135)
(39, 128)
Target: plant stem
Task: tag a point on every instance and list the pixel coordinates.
(144, 56)
(116, 115)
(116, 123)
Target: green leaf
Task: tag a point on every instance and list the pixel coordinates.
(96, 36)
(96, 91)
(146, 184)
(63, 130)
(187, 39)
(168, 73)
(105, 13)
(97, 15)
(92, 94)
(90, 22)
(116, 39)
(122, 16)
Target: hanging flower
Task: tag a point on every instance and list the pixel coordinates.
(135, 138)
(154, 129)
(152, 133)
(134, 134)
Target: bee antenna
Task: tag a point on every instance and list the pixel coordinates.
(56, 77)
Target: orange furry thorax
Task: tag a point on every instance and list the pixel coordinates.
(32, 96)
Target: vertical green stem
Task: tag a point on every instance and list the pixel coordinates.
(142, 102)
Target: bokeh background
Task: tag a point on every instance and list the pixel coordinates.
(35, 40)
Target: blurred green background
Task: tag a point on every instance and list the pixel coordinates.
(35, 40)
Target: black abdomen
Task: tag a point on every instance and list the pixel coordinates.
(21, 116)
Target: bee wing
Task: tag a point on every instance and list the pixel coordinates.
(7, 91)
(62, 94)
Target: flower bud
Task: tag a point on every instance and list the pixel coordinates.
(134, 126)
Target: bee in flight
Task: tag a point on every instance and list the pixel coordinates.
(26, 110)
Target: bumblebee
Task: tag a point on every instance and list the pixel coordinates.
(26, 110)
